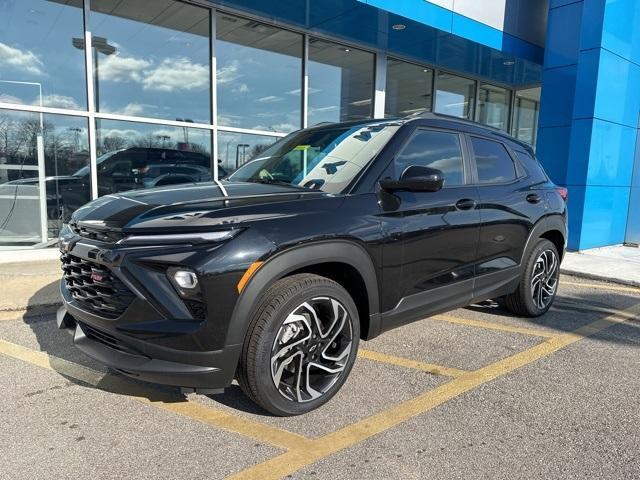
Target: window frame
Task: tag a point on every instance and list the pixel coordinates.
(523, 166)
(466, 166)
(519, 172)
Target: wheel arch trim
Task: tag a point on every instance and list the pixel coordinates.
(294, 258)
(544, 225)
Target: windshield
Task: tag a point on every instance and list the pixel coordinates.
(84, 171)
(326, 159)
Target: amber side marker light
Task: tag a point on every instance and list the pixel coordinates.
(253, 268)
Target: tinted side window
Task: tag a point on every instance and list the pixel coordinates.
(440, 150)
(531, 165)
(493, 162)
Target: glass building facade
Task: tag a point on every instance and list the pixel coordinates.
(104, 96)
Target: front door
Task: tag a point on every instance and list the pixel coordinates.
(432, 237)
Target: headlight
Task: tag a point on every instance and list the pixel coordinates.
(202, 237)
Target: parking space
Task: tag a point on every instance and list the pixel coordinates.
(472, 393)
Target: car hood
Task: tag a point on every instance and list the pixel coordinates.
(192, 207)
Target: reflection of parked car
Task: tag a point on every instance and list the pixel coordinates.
(121, 170)
(134, 168)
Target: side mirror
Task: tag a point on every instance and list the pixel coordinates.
(415, 178)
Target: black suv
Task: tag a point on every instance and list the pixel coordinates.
(334, 234)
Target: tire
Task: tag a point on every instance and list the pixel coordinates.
(279, 359)
(542, 266)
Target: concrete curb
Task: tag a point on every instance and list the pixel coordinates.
(601, 278)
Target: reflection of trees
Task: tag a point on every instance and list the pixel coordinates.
(19, 145)
(113, 142)
(258, 149)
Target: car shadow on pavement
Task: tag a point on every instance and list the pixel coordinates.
(569, 313)
(41, 319)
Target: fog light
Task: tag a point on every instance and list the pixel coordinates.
(185, 279)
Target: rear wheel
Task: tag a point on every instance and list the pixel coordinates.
(300, 346)
(539, 283)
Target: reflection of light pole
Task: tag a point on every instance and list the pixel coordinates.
(185, 130)
(243, 146)
(76, 138)
(226, 155)
(99, 45)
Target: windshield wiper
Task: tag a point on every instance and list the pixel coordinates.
(267, 181)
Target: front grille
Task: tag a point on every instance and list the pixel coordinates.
(95, 287)
(107, 236)
(106, 339)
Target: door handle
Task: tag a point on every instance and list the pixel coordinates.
(533, 198)
(465, 204)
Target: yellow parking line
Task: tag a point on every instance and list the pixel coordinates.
(193, 410)
(413, 364)
(494, 326)
(346, 437)
(602, 286)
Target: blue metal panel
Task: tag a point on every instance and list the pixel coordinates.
(427, 36)
(601, 153)
(604, 216)
(420, 11)
(478, 32)
(465, 27)
(586, 83)
(576, 206)
(618, 98)
(591, 34)
(558, 92)
(632, 234)
(560, 3)
(553, 151)
(579, 155)
(621, 34)
(563, 35)
(611, 154)
(633, 221)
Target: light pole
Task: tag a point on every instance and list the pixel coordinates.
(99, 45)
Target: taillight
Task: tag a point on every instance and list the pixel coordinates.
(564, 193)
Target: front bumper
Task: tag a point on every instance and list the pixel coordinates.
(127, 356)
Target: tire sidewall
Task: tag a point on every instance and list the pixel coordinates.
(539, 247)
(262, 362)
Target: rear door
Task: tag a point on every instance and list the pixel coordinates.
(510, 204)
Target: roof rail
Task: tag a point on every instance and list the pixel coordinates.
(453, 118)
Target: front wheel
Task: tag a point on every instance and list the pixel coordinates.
(300, 346)
(539, 283)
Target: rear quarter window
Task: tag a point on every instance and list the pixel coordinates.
(531, 165)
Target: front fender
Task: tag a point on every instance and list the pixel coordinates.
(295, 258)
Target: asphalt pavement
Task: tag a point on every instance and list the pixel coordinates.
(474, 393)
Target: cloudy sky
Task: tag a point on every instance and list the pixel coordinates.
(156, 71)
